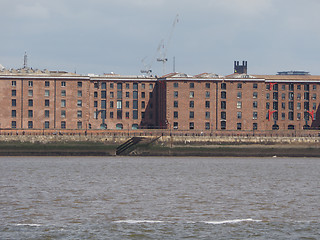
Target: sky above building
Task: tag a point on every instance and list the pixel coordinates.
(123, 36)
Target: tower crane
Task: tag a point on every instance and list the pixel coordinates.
(163, 46)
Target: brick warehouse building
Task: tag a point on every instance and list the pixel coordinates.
(34, 99)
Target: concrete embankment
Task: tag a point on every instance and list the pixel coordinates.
(76, 145)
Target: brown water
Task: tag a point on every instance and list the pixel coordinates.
(159, 198)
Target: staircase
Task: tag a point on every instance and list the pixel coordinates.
(128, 146)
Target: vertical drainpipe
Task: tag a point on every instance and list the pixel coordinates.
(21, 124)
(55, 103)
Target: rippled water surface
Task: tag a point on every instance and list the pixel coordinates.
(159, 198)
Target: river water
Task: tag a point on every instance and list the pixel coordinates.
(159, 198)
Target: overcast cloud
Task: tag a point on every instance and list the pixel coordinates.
(101, 36)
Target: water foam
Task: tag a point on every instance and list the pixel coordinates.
(28, 224)
(232, 221)
(138, 221)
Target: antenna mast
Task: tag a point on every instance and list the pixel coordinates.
(25, 60)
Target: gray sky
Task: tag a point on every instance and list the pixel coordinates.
(101, 36)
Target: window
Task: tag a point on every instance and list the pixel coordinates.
(63, 93)
(275, 87)
(299, 96)
(255, 104)
(255, 115)
(223, 95)
(255, 85)
(127, 104)
(275, 96)
(95, 104)
(111, 86)
(30, 83)
(239, 85)
(314, 87)
(111, 104)
(191, 104)
(223, 104)
(275, 105)
(46, 93)
(13, 124)
(239, 94)
(135, 94)
(175, 85)
(255, 95)
(135, 86)
(191, 94)
(143, 104)
(239, 104)
(143, 95)
(268, 96)
(298, 106)
(223, 86)
(63, 125)
(46, 113)
(127, 94)
(135, 114)
(119, 104)
(175, 104)
(207, 94)
(191, 114)
(135, 126)
(207, 85)
(111, 94)
(306, 106)
(299, 87)
(238, 126)
(314, 96)
(127, 86)
(96, 85)
(314, 106)
(111, 115)
(79, 114)
(13, 83)
(63, 114)
(14, 93)
(207, 104)
(306, 87)
(135, 104)
(119, 114)
(30, 124)
(46, 124)
(283, 106)
(267, 105)
(119, 94)
(283, 116)
(13, 113)
(175, 94)
(30, 93)
(79, 93)
(291, 87)
(13, 102)
(283, 87)
(207, 126)
(79, 84)
(63, 84)
(223, 125)
(46, 103)
(290, 116)
(47, 84)
(298, 116)
(255, 126)
(143, 86)
(207, 115)
(127, 115)
(30, 103)
(239, 115)
(223, 115)
(79, 103)
(306, 96)
(30, 114)
(191, 125)
(150, 95)
(175, 125)
(143, 115)
(63, 103)
(291, 95)
(283, 96)
(191, 85)
(119, 86)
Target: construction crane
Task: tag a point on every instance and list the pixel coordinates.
(163, 46)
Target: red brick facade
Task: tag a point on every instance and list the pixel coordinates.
(58, 100)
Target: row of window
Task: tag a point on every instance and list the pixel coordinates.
(46, 84)
(306, 105)
(120, 113)
(207, 85)
(119, 94)
(103, 85)
(291, 96)
(275, 87)
(46, 103)
(207, 125)
(46, 124)
(119, 104)
(306, 116)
